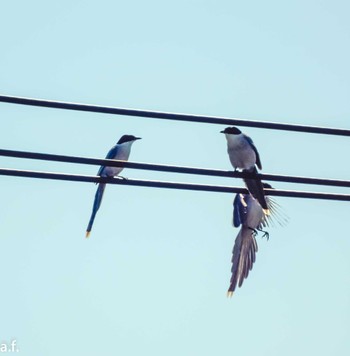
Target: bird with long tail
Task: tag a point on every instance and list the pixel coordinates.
(244, 155)
(120, 151)
(248, 214)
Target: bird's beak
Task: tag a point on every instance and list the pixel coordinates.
(138, 138)
(223, 131)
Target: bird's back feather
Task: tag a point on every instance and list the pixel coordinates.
(251, 143)
(110, 155)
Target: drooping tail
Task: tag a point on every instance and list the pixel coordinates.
(96, 206)
(256, 189)
(243, 258)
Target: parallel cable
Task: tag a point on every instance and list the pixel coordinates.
(172, 116)
(169, 185)
(173, 169)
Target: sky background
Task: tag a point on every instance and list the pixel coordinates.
(152, 278)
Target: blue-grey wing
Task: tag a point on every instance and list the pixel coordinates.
(239, 210)
(251, 143)
(110, 155)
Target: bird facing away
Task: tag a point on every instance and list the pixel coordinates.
(120, 151)
(244, 155)
(248, 214)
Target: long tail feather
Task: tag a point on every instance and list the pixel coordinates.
(277, 215)
(243, 258)
(256, 189)
(96, 206)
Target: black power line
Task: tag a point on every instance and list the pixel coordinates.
(172, 116)
(174, 169)
(169, 185)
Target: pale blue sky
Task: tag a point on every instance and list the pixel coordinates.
(152, 278)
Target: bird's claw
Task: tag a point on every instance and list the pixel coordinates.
(255, 232)
(265, 234)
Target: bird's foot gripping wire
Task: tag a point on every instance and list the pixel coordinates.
(121, 177)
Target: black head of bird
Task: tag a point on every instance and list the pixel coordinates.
(128, 138)
(231, 131)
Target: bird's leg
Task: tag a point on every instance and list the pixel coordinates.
(254, 231)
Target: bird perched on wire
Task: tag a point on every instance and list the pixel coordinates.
(248, 213)
(244, 155)
(120, 151)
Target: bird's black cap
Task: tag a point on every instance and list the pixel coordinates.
(231, 130)
(127, 138)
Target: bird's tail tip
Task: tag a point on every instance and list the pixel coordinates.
(229, 294)
(267, 212)
(87, 234)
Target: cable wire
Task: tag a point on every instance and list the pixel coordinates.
(169, 185)
(172, 116)
(174, 169)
